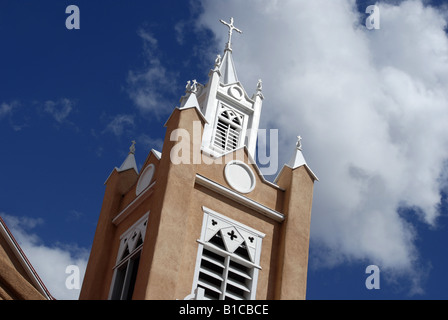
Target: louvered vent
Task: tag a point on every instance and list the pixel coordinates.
(227, 264)
(228, 130)
(222, 276)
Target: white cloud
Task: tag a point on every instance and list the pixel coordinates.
(6, 111)
(50, 262)
(6, 108)
(60, 109)
(147, 142)
(119, 124)
(148, 88)
(179, 28)
(371, 107)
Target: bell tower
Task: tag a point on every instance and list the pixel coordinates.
(232, 116)
(208, 229)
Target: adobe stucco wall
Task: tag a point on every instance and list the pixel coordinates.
(168, 258)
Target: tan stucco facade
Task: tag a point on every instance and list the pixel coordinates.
(175, 202)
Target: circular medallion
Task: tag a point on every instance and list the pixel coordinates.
(240, 176)
(145, 179)
(236, 92)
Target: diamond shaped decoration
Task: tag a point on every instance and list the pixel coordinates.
(250, 243)
(232, 238)
(213, 226)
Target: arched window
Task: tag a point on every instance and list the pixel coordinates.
(125, 271)
(228, 130)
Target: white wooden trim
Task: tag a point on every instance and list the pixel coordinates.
(270, 213)
(208, 150)
(131, 228)
(119, 262)
(231, 221)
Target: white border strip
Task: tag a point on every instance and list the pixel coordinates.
(229, 221)
(275, 215)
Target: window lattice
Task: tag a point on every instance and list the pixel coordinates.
(128, 259)
(228, 130)
(222, 276)
(228, 257)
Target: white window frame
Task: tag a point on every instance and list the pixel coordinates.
(126, 241)
(253, 264)
(240, 128)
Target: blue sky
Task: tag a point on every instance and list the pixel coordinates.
(72, 100)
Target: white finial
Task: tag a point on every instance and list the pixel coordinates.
(231, 28)
(191, 88)
(259, 89)
(132, 147)
(217, 61)
(259, 85)
(299, 143)
(194, 86)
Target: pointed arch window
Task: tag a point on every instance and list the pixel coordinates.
(228, 259)
(228, 129)
(128, 259)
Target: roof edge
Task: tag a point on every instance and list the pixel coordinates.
(26, 264)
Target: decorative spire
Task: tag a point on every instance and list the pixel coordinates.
(297, 158)
(129, 162)
(231, 28)
(225, 65)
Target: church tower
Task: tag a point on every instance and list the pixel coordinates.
(199, 220)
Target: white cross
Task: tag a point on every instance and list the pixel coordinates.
(231, 28)
(299, 143)
(132, 147)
